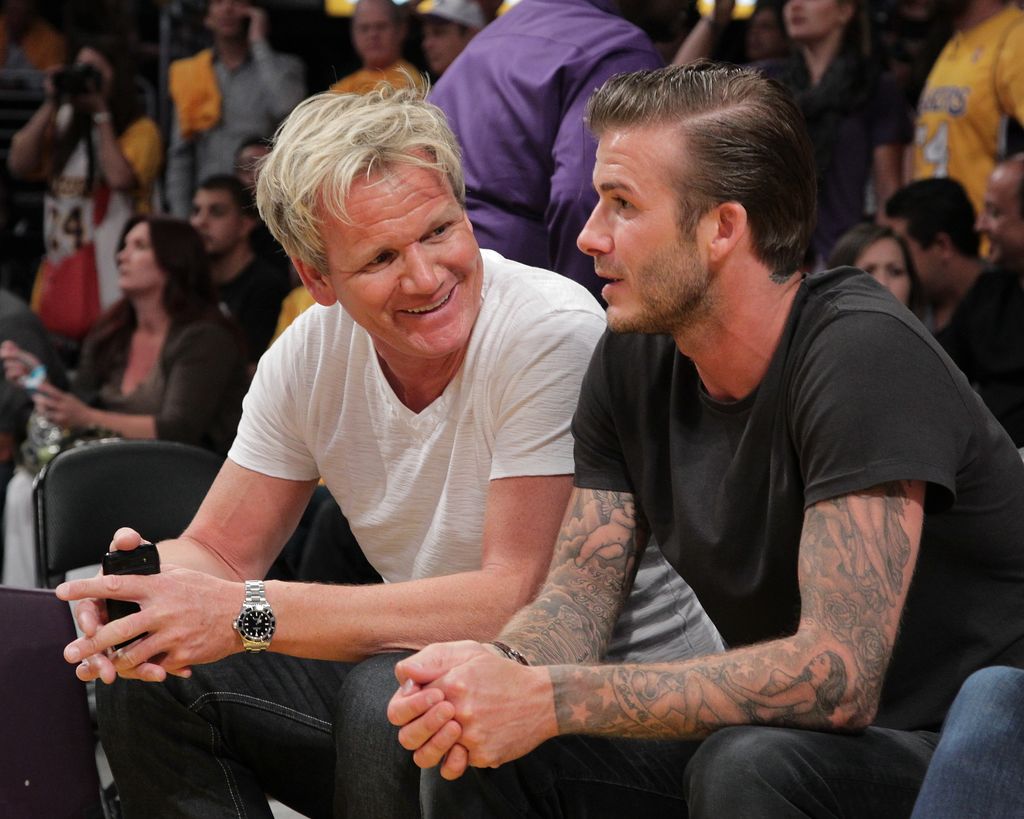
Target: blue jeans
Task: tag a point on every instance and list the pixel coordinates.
(737, 772)
(312, 734)
(978, 768)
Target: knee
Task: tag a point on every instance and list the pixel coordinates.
(736, 764)
(998, 687)
(988, 709)
(363, 701)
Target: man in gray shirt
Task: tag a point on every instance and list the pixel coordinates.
(224, 95)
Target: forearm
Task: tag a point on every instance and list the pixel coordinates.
(767, 684)
(117, 171)
(351, 623)
(141, 427)
(26, 150)
(563, 626)
(591, 575)
(700, 42)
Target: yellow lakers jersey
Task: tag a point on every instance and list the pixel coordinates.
(976, 84)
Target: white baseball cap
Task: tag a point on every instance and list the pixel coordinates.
(464, 12)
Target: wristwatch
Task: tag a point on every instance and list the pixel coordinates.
(255, 623)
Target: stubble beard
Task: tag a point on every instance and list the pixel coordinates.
(674, 294)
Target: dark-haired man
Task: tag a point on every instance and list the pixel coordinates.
(936, 219)
(251, 289)
(986, 334)
(805, 456)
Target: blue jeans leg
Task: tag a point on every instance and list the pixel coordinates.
(978, 767)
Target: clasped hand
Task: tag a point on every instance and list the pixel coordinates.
(461, 704)
(185, 616)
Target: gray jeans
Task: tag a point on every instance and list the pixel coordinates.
(312, 734)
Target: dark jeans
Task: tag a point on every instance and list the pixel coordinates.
(312, 734)
(738, 772)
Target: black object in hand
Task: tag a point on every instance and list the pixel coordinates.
(77, 78)
(143, 559)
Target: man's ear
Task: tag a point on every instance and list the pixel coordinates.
(318, 285)
(726, 225)
(945, 244)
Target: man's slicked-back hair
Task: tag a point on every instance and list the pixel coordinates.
(332, 140)
(743, 140)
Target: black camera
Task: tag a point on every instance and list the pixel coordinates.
(78, 78)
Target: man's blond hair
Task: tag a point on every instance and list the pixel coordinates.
(331, 140)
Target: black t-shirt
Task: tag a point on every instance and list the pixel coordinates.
(253, 299)
(857, 394)
(985, 338)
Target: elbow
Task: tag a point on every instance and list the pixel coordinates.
(853, 720)
(857, 710)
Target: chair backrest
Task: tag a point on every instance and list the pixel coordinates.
(85, 494)
(48, 752)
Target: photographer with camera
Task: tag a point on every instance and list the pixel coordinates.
(100, 157)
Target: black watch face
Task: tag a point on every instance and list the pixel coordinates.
(257, 624)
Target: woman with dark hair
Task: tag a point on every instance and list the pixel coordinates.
(883, 255)
(101, 157)
(162, 362)
(855, 112)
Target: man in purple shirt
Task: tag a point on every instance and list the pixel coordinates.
(515, 100)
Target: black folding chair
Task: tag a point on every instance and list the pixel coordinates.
(85, 494)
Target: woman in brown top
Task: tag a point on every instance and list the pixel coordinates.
(162, 362)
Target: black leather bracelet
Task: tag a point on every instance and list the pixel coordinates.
(510, 652)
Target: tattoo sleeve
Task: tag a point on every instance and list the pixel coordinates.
(591, 574)
(856, 558)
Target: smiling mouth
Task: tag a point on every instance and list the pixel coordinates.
(430, 308)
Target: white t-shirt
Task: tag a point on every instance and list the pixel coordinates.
(413, 486)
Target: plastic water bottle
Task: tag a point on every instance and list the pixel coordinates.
(44, 438)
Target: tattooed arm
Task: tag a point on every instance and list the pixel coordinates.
(591, 574)
(857, 555)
